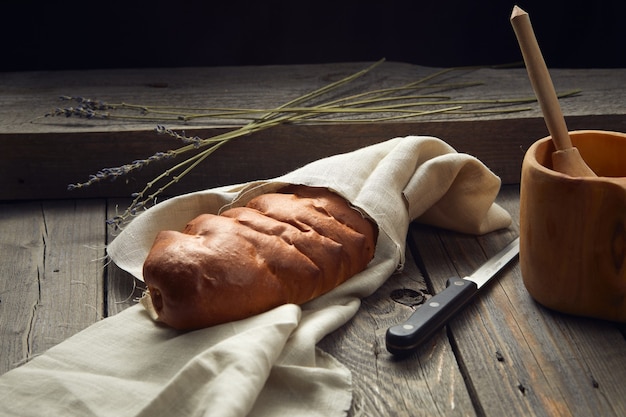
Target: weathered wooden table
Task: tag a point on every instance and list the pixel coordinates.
(502, 355)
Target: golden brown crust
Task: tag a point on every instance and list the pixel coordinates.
(286, 247)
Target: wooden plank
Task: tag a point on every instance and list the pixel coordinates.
(52, 267)
(518, 357)
(426, 383)
(29, 95)
(39, 157)
(21, 261)
(69, 158)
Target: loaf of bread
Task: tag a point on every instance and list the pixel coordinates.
(285, 247)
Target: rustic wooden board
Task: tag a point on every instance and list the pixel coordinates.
(500, 144)
(22, 257)
(39, 157)
(519, 357)
(29, 95)
(427, 383)
(52, 268)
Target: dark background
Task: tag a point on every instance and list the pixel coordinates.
(98, 34)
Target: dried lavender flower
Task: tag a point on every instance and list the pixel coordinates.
(388, 103)
(115, 172)
(88, 103)
(196, 140)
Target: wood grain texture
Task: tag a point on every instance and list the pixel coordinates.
(518, 357)
(42, 165)
(27, 96)
(426, 383)
(52, 268)
(40, 156)
(571, 240)
(22, 261)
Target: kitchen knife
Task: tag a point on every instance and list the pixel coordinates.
(434, 313)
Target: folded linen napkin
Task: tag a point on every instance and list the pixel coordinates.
(267, 365)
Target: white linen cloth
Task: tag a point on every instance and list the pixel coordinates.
(267, 365)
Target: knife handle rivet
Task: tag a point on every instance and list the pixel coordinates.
(459, 283)
(408, 326)
(434, 304)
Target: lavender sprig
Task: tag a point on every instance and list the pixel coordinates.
(78, 112)
(115, 172)
(88, 103)
(196, 141)
(98, 109)
(86, 108)
(397, 101)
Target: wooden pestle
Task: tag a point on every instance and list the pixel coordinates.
(566, 159)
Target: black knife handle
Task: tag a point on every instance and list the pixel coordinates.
(430, 316)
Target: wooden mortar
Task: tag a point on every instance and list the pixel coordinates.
(573, 229)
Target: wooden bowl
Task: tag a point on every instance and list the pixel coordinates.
(573, 229)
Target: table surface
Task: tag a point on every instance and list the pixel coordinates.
(502, 355)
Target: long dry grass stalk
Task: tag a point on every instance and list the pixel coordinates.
(385, 104)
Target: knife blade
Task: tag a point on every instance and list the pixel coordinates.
(435, 313)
